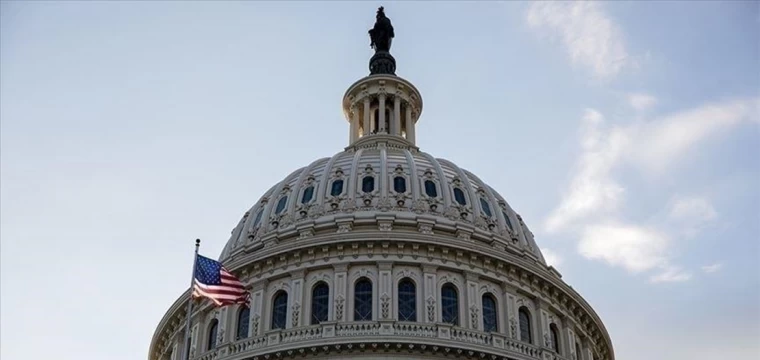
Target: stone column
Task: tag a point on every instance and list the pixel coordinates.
(257, 298)
(430, 294)
(296, 289)
(396, 126)
(381, 114)
(510, 313)
(341, 274)
(409, 124)
(222, 315)
(473, 304)
(385, 290)
(194, 343)
(542, 325)
(366, 116)
(354, 127)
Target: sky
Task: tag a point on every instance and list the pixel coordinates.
(626, 134)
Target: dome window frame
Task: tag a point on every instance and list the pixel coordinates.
(429, 189)
(368, 184)
(308, 190)
(342, 187)
(396, 184)
(282, 204)
(459, 194)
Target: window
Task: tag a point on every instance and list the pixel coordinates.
(554, 337)
(280, 310)
(258, 218)
(399, 184)
(459, 196)
(308, 194)
(212, 331)
(485, 207)
(363, 300)
(337, 188)
(243, 320)
(449, 304)
(430, 188)
(320, 303)
(407, 300)
(525, 331)
(509, 222)
(368, 184)
(281, 205)
(489, 313)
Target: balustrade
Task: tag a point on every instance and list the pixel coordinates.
(398, 330)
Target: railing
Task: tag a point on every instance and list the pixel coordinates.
(415, 329)
(443, 334)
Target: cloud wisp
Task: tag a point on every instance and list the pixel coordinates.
(591, 205)
(590, 37)
(712, 268)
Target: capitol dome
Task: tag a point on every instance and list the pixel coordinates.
(384, 251)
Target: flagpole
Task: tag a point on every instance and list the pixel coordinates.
(186, 346)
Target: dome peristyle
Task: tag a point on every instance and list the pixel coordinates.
(384, 251)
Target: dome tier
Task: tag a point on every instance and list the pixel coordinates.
(404, 186)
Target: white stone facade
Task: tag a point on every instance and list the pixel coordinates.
(384, 212)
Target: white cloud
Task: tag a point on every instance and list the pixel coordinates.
(651, 146)
(671, 274)
(592, 189)
(662, 141)
(692, 209)
(712, 268)
(641, 102)
(589, 35)
(594, 196)
(551, 257)
(632, 247)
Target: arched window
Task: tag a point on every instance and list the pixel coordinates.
(308, 194)
(212, 332)
(489, 313)
(430, 188)
(399, 184)
(320, 303)
(525, 330)
(337, 188)
(509, 222)
(363, 300)
(368, 184)
(258, 218)
(554, 337)
(281, 205)
(449, 304)
(280, 310)
(407, 300)
(485, 207)
(459, 196)
(244, 316)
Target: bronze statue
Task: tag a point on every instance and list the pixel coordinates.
(382, 34)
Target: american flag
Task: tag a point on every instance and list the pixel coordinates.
(214, 282)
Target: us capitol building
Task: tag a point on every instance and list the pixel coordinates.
(383, 251)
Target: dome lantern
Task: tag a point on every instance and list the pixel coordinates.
(382, 107)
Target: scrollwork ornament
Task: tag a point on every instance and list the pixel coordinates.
(339, 307)
(295, 314)
(431, 309)
(385, 305)
(513, 328)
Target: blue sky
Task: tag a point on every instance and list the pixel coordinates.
(627, 135)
